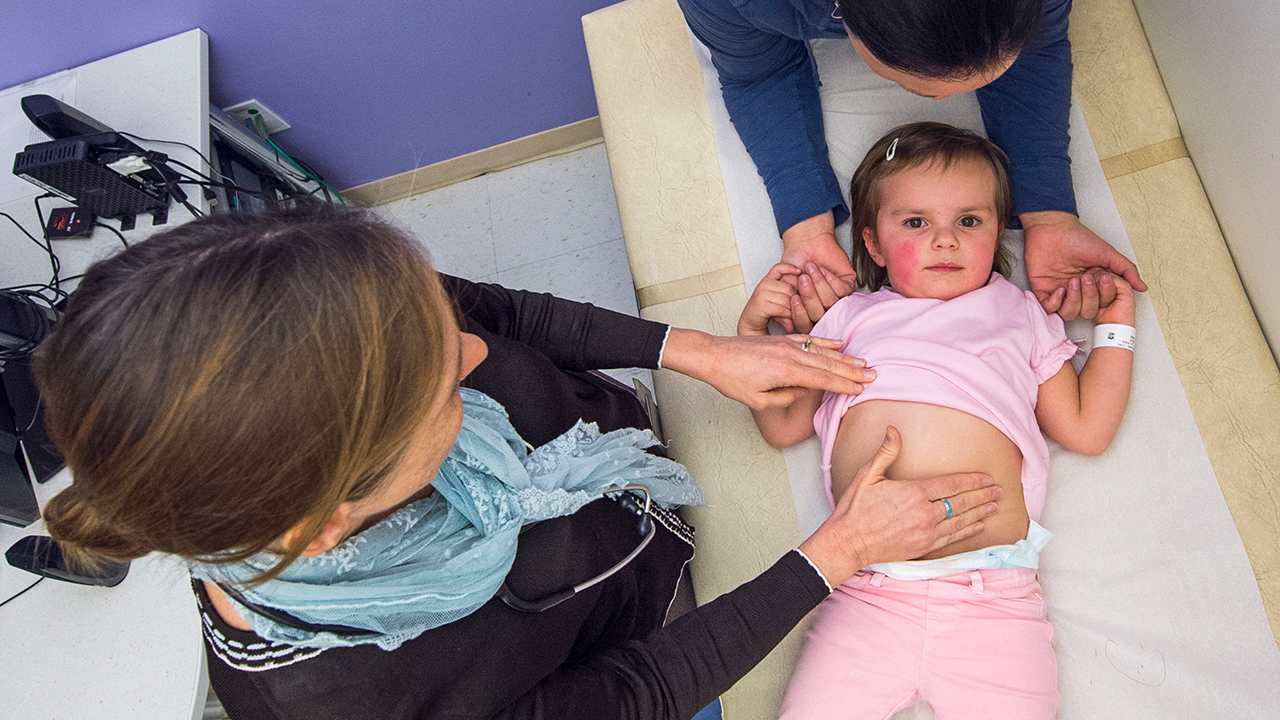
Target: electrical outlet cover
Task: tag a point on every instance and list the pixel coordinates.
(271, 121)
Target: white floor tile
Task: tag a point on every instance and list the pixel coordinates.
(548, 226)
(454, 223)
(553, 207)
(597, 274)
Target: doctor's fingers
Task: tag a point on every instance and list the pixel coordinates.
(815, 303)
(1090, 298)
(1070, 308)
(826, 369)
(816, 281)
(964, 491)
(963, 526)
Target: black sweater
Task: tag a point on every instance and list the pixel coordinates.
(603, 653)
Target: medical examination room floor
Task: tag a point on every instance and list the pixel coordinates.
(548, 226)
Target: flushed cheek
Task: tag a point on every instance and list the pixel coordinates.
(902, 257)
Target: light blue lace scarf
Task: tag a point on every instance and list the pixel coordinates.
(440, 558)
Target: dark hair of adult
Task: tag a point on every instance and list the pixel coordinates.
(237, 378)
(943, 39)
(918, 144)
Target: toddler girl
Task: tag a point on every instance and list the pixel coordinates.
(970, 370)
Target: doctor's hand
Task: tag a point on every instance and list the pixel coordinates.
(880, 520)
(1064, 262)
(764, 371)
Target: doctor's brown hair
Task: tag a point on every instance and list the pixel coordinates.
(231, 379)
(914, 145)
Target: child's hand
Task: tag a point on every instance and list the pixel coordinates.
(1121, 310)
(817, 290)
(770, 299)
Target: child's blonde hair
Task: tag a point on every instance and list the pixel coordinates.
(914, 145)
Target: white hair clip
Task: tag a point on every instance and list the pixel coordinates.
(893, 150)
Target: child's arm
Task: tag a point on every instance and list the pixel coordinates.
(788, 425)
(1083, 413)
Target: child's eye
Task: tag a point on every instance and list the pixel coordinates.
(914, 223)
(969, 221)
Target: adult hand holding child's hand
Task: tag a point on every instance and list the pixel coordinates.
(795, 298)
(882, 520)
(821, 271)
(1065, 261)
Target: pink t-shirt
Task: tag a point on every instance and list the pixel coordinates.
(984, 353)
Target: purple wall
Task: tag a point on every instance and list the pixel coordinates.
(371, 89)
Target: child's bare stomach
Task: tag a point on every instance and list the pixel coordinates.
(936, 441)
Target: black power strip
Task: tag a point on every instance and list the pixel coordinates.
(69, 222)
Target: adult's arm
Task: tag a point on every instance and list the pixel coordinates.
(684, 666)
(1026, 113)
(758, 372)
(681, 668)
(770, 84)
(573, 335)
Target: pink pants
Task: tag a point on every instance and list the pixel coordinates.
(974, 645)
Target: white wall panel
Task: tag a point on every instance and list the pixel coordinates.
(1221, 66)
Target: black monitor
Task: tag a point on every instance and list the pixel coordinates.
(17, 499)
(23, 323)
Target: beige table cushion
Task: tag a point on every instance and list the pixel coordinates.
(661, 136)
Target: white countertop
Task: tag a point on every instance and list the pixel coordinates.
(133, 651)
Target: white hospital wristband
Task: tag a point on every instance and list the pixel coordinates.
(1121, 336)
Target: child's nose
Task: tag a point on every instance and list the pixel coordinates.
(945, 238)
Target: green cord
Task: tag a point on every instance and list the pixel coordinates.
(260, 126)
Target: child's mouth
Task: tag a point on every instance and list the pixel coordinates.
(944, 267)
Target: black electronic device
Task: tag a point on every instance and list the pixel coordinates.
(17, 499)
(79, 170)
(41, 555)
(69, 222)
(23, 323)
(95, 167)
(59, 120)
(28, 414)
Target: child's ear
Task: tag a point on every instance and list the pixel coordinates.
(869, 239)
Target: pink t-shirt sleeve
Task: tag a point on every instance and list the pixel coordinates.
(1049, 344)
(828, 325)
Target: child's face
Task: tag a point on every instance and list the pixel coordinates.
(937, 230)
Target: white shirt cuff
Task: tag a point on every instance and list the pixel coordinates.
(663, 351)
(815, 569)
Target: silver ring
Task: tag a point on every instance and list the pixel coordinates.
(805, 345)
(947, 504)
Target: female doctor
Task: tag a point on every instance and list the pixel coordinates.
(379, 482)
